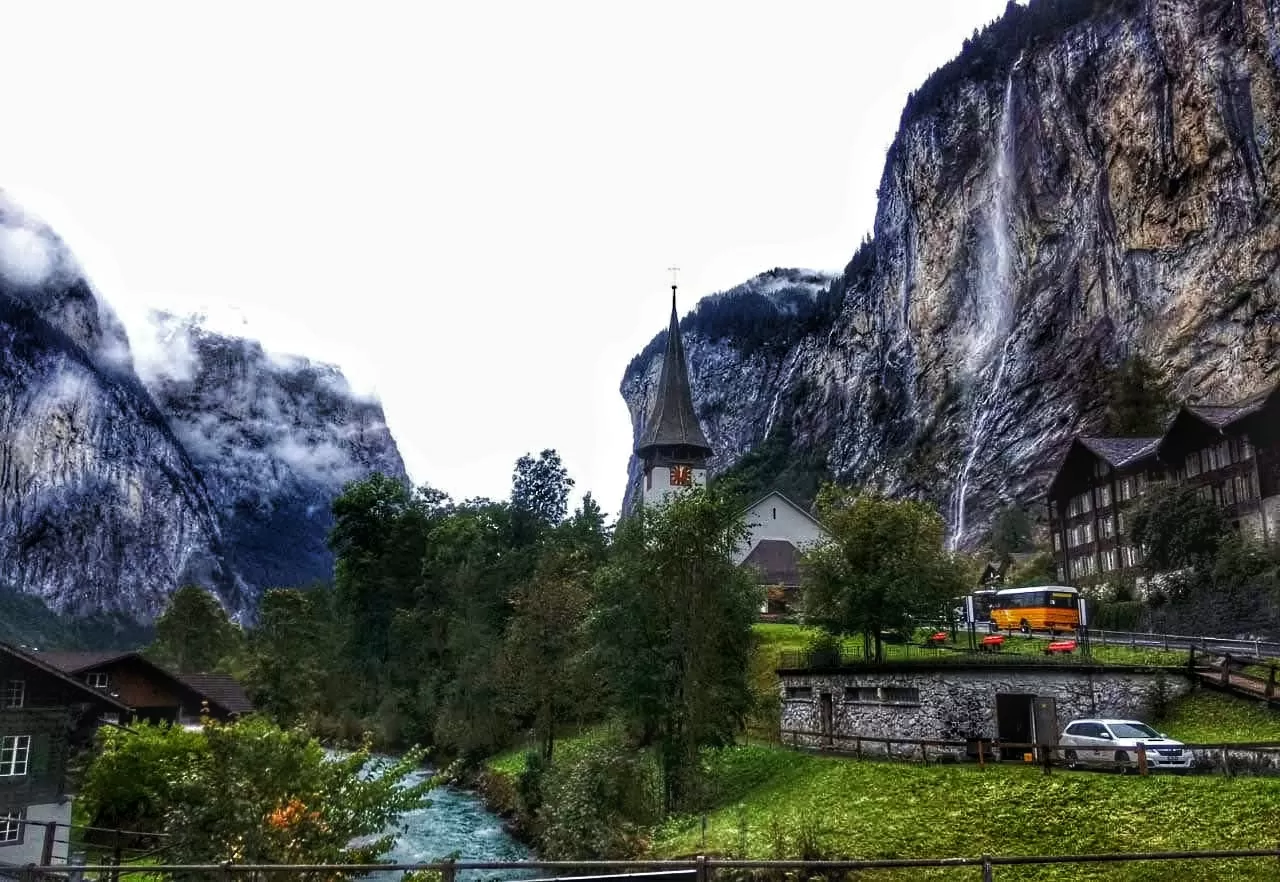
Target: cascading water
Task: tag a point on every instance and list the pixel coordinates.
(994, 312)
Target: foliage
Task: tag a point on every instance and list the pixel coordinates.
(543, 671)
(883, 566)
(25, 619)
(597, 803)
(752, 322)
(288, 672)
(672, 630)
(1138, 400)
(193, 634)
(249, 792)
(1177, 528)
(1038, 570)
(540, 487)
(1011, 532)
(776, 464)
(989, 55)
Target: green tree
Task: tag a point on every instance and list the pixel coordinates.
(1177, 528)
(248, 792)
(289, 653)
(379, 536)
(544, 674)
(883, 566)
(193, 634)
(540, 487)
(1139, 400)
(1011, 532)
(671, 630)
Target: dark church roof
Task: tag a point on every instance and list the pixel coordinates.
(778, 562)
(1121, 452)
(672, 421)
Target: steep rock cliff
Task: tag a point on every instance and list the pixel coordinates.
(1080, 184)
(275, 438)
(100, 507)
(217, 467)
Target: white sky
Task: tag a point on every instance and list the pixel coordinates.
(468, 205)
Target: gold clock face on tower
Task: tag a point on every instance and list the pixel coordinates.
(682, 476)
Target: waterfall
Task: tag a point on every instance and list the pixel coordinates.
(995, 309)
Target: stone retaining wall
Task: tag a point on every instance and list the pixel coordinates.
(960, 704)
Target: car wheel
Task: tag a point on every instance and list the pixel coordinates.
(1122, 762)
(1024, 626)
(1073, 761)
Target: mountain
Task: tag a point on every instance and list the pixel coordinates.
(114, 492)
(1086, 181)
(275, 439)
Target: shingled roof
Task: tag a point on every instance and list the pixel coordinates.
(777, 561)
(1121, 452)
(1222, 415)
(220, 689)
(672, 421)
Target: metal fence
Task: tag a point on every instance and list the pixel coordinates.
(699, 869)
(54, 844)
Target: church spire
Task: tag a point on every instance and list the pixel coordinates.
(672, 422)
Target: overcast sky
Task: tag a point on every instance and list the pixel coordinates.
(470, 206)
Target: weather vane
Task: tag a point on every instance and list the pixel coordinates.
(675, 276)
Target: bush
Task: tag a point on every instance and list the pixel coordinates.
(597, 803)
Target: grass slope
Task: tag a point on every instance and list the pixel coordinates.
(774, 802)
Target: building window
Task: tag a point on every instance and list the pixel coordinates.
(1057, 542)
(860, 693)
(1108, 560)
(1193, 464)
(799, 692)
(1104, 497)
(11, 826)
(899, 695)
(14, 695)
(1107, 528)
(98, 680)
(15, 751)
(1124, 490)
(1246, 449)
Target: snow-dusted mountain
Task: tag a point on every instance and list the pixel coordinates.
(217, 470)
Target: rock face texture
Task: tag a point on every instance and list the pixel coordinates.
(1076, 187)
(275, 439)
(112, 494)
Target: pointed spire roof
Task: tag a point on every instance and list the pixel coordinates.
(672, 421)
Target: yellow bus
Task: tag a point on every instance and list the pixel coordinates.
(1050, 608)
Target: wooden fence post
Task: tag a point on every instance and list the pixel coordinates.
(46, 849)
(1271, 681)
(982, 760)
(1226, 669)
(1142, 758)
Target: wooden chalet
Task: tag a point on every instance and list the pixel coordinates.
(152, 693)
(46, 716)
(1230, 452)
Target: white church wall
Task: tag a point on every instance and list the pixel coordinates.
(657, 484)
(775, 518)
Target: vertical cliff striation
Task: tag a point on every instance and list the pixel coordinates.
(1085, 181)
(218, 470)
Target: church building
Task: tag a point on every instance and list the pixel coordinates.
(672, 448)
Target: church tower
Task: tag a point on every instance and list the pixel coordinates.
(672, 448)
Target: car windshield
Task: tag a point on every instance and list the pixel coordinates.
(1133, 730)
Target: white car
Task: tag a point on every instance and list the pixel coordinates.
(1115, 743)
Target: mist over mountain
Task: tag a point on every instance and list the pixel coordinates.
(214, 465)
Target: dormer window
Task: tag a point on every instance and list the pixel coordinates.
(97, 679)
(14, 695)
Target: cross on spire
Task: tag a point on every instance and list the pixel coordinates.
(675, 277)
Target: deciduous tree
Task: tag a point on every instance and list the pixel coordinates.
(672, 630)
(194, 634)
(883, 566)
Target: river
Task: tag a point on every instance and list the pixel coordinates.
(455, 822)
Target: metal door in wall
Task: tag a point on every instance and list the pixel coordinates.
(1046, 724)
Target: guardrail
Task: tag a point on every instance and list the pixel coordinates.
(1220, 645)
(702, 868)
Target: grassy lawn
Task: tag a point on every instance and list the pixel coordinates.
(1206, 717)
(774, 803)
